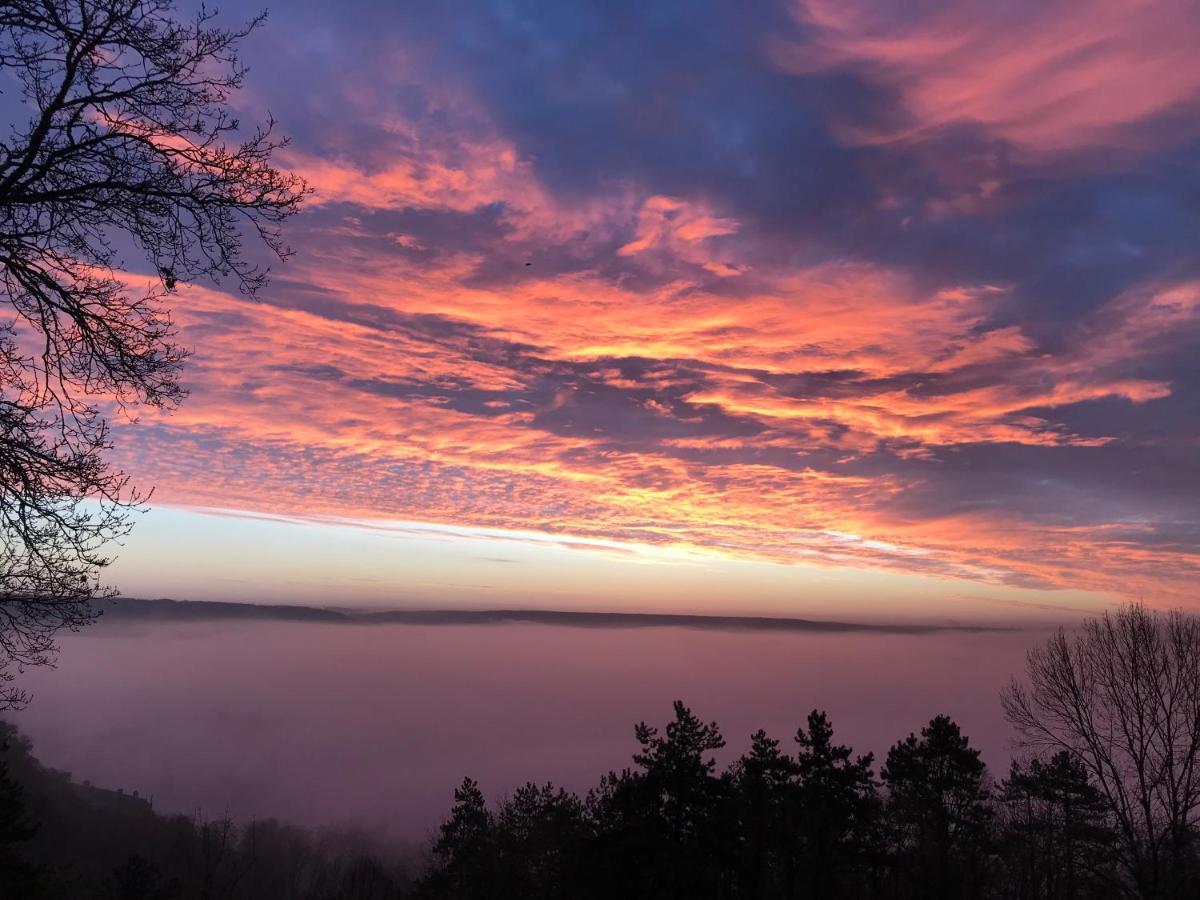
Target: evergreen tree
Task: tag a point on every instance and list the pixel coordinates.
(835, 812)
(663, 831)
(1058, 844)
(465, 852)
(939, 812)
(540, 832)
(762, 783)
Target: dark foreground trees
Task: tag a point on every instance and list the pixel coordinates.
(808, 823)
(1056, 836)
(1103, 803)
(1121, 697)
(61, 840)
(122, 176)
(808, 819)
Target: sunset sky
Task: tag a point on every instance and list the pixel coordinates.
(881, 309)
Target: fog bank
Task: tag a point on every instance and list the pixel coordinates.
(374, 724)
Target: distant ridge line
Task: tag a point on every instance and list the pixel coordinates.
(129, 608)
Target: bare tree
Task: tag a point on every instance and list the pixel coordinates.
(124, 156)
(1122, 696)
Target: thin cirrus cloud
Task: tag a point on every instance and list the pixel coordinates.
(822, 285)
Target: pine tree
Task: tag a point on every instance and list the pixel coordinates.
(835, 810)
(465, 851)
(762, 782)
(1057, 839)
(664, 831)
(540, 832)
(939, 812)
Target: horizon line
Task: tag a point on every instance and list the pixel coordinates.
(165, 608)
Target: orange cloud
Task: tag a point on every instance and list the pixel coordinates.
(442, 402)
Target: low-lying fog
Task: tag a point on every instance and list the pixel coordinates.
(375, 724)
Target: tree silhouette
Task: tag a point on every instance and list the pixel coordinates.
(661, 830)
(807, 825)
(683, 799)
(137, 879)
(835, 811)
(18, 877)
(540, 832)
(1122, 696)
(763, 790)
(1057, 841)
(363, 878)
(128, 157)
(939, 811)
(465, 851)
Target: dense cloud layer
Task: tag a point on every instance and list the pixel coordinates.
(903, 286)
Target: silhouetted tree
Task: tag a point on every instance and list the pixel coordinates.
(835, 813)
(128, 151)
(18, 876)
(939, 813)
(138, 879)
(1122, 696)
(284, 861)
(216, 860)
(1056, 841)
(763, 789)
(662, 831)
(465, 853)
(540, 832)
(363, 878)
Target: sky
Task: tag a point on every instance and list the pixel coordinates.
(862, 309)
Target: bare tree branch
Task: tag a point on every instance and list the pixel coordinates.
(1122, 696)
(129, 150)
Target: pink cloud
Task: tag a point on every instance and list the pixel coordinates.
(679, 229)
(337, 412)
(1050, 78)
